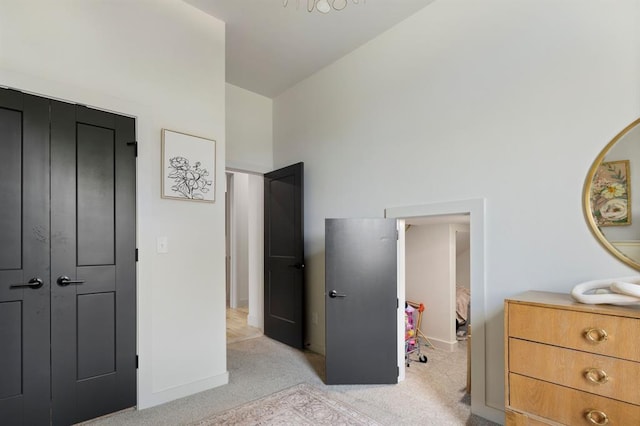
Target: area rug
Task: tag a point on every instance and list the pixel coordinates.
(302, 404)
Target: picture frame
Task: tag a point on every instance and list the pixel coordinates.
(610, 194)
(188, 167)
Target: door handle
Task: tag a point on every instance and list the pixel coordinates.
(33, 283)
(297, 265)
(333, 294)
(64, 281)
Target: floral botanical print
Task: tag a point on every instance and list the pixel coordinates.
(190, 181)
(610, 196)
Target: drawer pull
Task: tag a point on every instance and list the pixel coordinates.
(597, 417)
(596, 375)
(596, 335)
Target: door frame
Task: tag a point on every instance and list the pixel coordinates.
(476, 209)
(255, 264)
(230, 242)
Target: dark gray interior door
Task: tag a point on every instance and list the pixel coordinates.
(284, 255)
(24, 259)
(67, 262)
(361, 304)
(92, 263)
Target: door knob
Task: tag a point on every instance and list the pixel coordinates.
(333, 294)
(64, 281)
(297, 265)
(33, 283)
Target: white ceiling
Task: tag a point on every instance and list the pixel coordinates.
(270, 48)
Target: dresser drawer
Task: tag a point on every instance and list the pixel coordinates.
(568, 406)
(611, 377)
(610, 335)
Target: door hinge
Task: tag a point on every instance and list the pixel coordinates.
(135, 147)
(397, 303)
(136, 255)
(397, 235)
(398, 370)
(136, 361)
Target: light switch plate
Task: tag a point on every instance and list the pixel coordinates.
(162, 245)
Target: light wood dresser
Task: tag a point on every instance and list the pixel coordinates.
(568, 363)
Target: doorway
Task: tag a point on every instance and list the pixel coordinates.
(437, 274)
(244, 241)
(475, 208)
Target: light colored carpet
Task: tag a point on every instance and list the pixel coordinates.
(302, 405)
(432, 394)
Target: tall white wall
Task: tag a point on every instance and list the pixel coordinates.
(494, 99)
(249, 130)
(163, 63)
(428, 265)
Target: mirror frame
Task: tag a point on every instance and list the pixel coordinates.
(586, 199)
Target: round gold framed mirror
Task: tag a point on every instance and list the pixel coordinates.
(608, 200)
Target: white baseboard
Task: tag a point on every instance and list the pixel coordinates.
(317, 349)
(171, 394)
(255, 321)
(444, 344)
(487, 412)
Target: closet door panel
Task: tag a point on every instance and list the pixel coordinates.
(96, 195)
(11, 350)
(11, 189)
(24, 259)
(93, 216)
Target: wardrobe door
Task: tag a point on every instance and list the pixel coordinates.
(93, 340)
(67, 262)
(24, 259)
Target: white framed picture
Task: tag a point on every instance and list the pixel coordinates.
(188, 167)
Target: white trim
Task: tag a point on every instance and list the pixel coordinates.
(237, 170)
(401, 298)
(171, 394)
(476, 209)
(254, 321)
(447, 346)
(233, 285)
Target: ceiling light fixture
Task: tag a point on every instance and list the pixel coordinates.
(323, 6)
